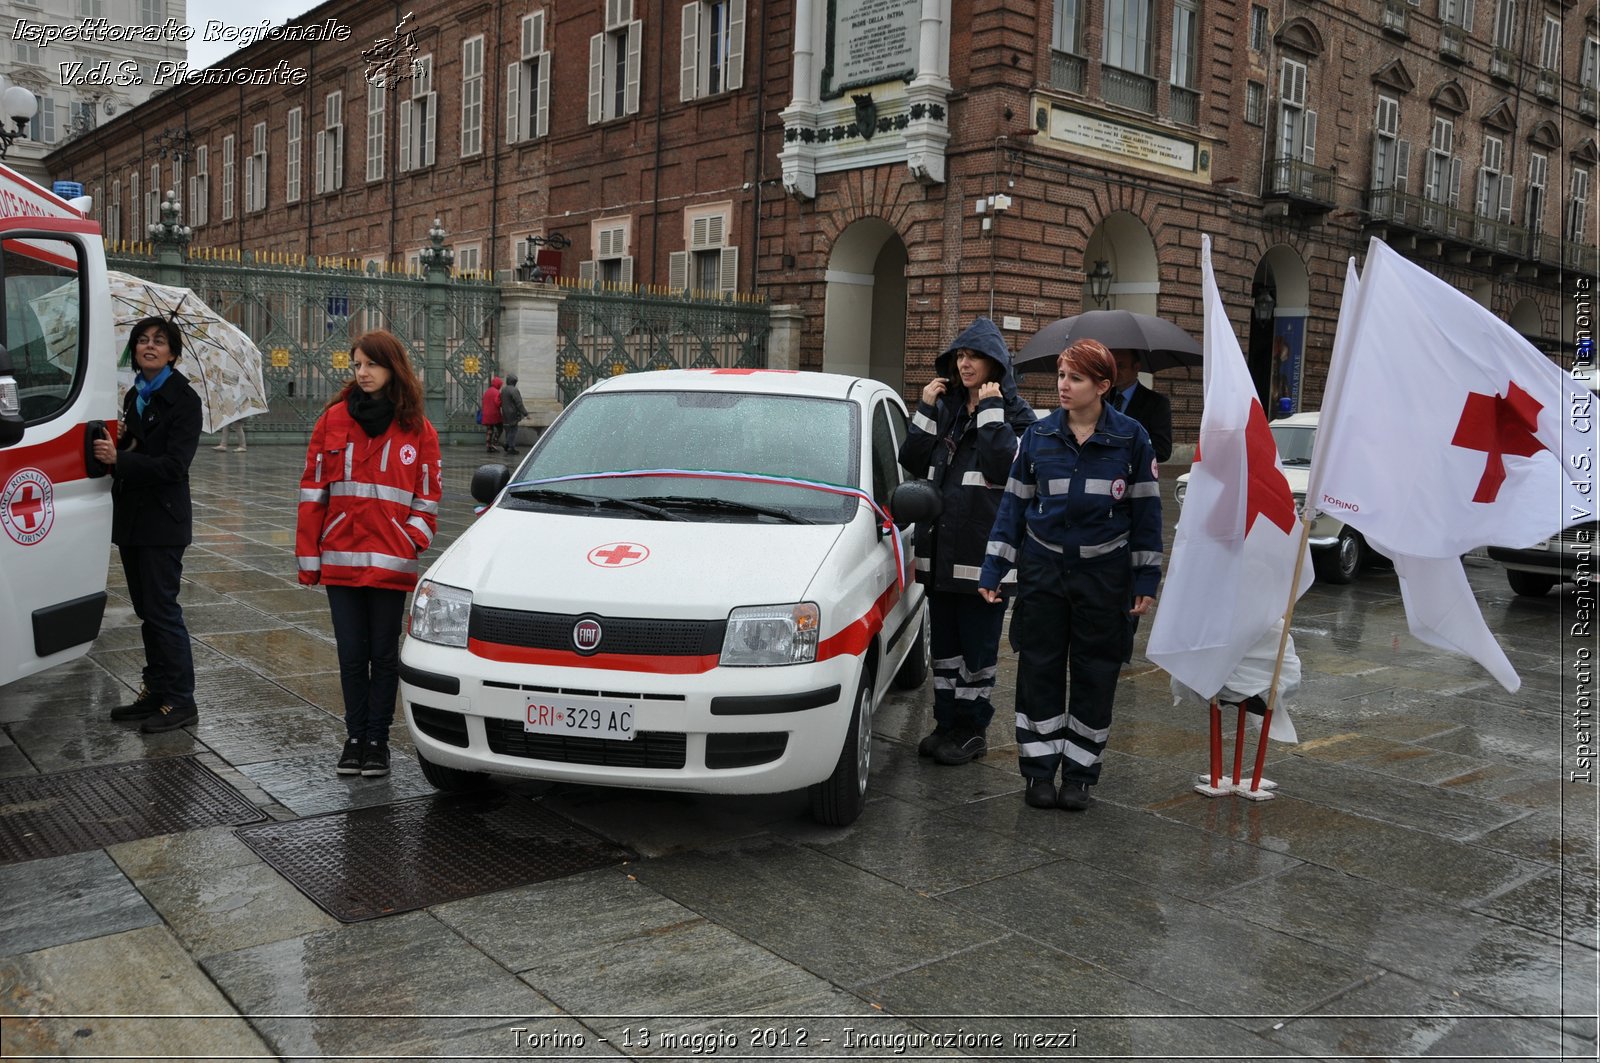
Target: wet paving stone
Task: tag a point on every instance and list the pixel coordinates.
(1100, 1015)
(68, 742)
(242, 579)
(308, 786)
(839, 922)
(278, 653)
(912, 846)
(1548, 836)
(223, 618)
(431, 994)
(66, 898)
(658, 823)
(1457, 872)
(242, 690)
(1208, 959)
(130, 662)
(214, 910)
(1394, 1017)
(133, 995)
(1409, 933)
(13, 762)
(80, 688)
(289, 599)
(243, 735)
(1562, 903)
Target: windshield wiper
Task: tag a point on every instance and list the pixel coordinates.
(727, 505)
(568, 498)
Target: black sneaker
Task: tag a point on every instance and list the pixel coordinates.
(167, 718)
(140, 707)
(350, 757)
(1074, 796)
(1041, 793)
(961, 745)
(926, 747)
(374, 760)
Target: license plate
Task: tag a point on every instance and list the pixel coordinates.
(579, 717)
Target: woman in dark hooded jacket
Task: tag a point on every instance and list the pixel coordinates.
(963, 436)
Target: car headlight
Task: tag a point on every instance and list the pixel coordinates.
(763, 635)
(439, 614)
(1180, 489)
(1299, 506)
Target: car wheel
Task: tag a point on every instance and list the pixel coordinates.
(914, 669)
(1343, 563)
(452, 780)
(838, 799)
(1532, 584)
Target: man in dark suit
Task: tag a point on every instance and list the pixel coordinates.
(1149, 408)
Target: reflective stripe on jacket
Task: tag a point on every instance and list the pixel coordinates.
(369, 506)
(1098, 500)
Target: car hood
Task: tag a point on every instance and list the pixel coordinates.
(622, 567)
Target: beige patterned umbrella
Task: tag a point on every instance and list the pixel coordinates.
(220, 361)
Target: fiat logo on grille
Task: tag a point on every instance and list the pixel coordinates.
(586, 635)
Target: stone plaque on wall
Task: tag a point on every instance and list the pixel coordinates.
(869, 42)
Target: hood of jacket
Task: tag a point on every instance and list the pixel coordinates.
(495, 382)
(984, 337)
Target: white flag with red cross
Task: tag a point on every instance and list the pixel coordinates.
(1233, 553)
(1444, 430)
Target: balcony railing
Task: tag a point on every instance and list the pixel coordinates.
(1502, 237)
(1423, 215)
(1185, 106)
(1550, 250)
(1298, 180)
(1068, 72)
(1452, 43)
(1547, 86)
(1397, 17)
(1127, 89)
(1588, 98)
(1503, 64)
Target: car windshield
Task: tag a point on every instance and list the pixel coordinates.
(701, 431)
(1294, 443)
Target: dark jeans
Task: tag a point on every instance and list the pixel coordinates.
(964, 635)
(511, 434)
(1071, 618)
(366, 626)
(154, 575)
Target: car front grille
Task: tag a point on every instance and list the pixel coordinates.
(1577, 535)
(634, 635)
(649, 749)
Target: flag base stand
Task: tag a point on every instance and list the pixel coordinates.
(1215, 783)
(1202, 785)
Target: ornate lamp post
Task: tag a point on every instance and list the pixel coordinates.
(1100, 283)
(528, 269)
(17, 107)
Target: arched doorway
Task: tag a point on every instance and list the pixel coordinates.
(1280, 302)
(1527, 320)
(1124, 245)
(864, 318)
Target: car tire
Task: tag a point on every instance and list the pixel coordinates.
(1344, 562)
(452, 780)
(1529, 584)
(914, 669)
(838, 799)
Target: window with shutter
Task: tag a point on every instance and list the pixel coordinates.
(711, 47)
(528, 84)
(615, 64)
(291, 162)
(472, 96)
(377, 104)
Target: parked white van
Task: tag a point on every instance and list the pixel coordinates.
(690, 584)
(57, 393)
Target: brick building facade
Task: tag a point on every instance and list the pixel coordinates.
(896, 167)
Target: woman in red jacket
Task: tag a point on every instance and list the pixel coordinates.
(369, 505)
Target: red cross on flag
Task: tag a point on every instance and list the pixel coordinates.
(1233, 554)
(1444, 430)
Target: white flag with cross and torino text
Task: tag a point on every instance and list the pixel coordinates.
(1444, 430)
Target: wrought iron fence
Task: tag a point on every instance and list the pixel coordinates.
(304, 312)
(607, 331)
(1127, 89)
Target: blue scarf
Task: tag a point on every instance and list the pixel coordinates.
(146, 388)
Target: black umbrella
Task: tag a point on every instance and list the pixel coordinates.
(1160, 343)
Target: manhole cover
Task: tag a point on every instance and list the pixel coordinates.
(371, 862)
(91, 808)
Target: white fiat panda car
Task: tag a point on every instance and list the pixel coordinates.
(688, 584)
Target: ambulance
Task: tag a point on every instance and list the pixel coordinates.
(57, 393)
(698, 580)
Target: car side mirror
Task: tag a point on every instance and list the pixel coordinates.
(914, 502)
(12, 424)
(488, 481)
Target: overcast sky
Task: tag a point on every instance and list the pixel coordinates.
(232, 13)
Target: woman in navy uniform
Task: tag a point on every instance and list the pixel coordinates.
(963, 436)
(1081, 521)
(151, 520)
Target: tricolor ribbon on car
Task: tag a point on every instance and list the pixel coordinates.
(885, 522)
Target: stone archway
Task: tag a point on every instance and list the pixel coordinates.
(1280, 298)
(1123, 242)
(1528, 321)
(864, 316)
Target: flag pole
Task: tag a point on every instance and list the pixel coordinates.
(1283, 643)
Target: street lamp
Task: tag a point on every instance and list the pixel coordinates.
(1266, 301)
(17, 106)
(528, 269)
(175, 142)
(436, 255)
(1100, 283)
(168, 233)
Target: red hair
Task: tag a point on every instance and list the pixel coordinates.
(403, 388)
(1089, 358)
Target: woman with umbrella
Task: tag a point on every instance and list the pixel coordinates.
(1081, 521)
(151, 521)
(369, 505)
